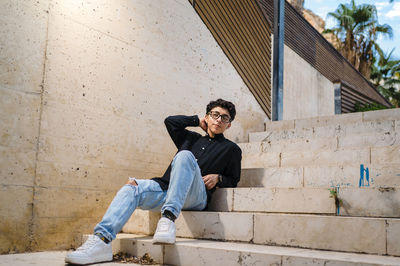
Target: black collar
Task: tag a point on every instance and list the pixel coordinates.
(217, 137)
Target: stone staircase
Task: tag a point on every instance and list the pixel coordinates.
(313, 191)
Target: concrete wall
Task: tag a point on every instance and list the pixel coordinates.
(84, 89)
(23, 27)
(306, 92)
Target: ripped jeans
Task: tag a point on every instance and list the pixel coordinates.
(186, 191)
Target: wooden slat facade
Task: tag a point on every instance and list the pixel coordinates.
(244, 35)
(350, 97)
(309, 44)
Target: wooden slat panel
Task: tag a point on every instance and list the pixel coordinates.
(244, 35)
(229, 35)
(220, 39)
(350, 97)
(227, 22)
(249, 36)
(355, 98)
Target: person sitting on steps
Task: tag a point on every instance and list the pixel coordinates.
(201, 164)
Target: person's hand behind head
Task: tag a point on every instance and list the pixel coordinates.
(203, 124)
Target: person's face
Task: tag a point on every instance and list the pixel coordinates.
(218, 120)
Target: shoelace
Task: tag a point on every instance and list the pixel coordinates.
(164, 225)
(88, 244)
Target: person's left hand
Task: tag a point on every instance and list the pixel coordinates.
(210, 180)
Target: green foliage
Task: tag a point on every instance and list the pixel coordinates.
(386, 77)
(333, 192)
(334, 195)
(356, 34)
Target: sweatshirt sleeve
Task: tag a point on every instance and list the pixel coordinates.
(231, 176)
(176, 126)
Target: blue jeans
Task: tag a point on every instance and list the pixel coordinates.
(186, 191)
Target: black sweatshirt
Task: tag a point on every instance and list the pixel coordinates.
(216, 155)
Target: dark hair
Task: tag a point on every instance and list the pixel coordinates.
(223, 104)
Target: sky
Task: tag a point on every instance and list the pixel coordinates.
(388, 13)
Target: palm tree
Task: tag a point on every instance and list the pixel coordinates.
(356, 34)
(386, 76)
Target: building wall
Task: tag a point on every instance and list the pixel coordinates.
(306, 92)
(85, 87)
(23, 30)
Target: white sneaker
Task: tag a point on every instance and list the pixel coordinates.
(92, 251)
(165, 233)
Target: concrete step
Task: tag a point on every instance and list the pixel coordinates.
(280, 177)
(323, 157)
(355, 202)
(379, 175)
(226, 200)
(142, 222)
(335, 233)
(362, 202)
(328, 130)
(273, 200)
(334, 120)
(342, 119)
(369, 202)
(327, 143)
(207, 252)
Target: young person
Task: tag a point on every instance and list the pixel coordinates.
(201, 164)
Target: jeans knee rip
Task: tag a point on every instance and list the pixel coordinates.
(135, 189)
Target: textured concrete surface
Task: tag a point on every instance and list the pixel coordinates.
(48, 258)
(325, 157)
(83, 89)
(315, 152)
(283, 200)
(322, 121)
(349, 234)
(372, 140)
(261, 160)
(329, 120)
(385, 155)
(322, 232)
(380, 175)
(285, 177)
(329, 143)
(389, 114)
(360, 202)
(206, 252)
(370, 202)
(215, 225)
(393, 236)
(367, 138)
(142, 222)
(55, 258)
(368, 128)
(307, 92)
(22, 55)
(222, 200)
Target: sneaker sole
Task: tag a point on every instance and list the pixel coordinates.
(85, 262)
(161, 241)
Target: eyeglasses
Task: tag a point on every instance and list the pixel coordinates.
(216, 115)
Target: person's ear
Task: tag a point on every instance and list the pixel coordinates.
(206, 117)
(229, 125)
